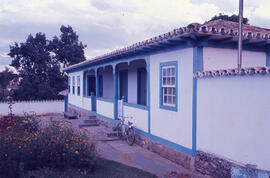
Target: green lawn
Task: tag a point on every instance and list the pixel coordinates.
(104, 168)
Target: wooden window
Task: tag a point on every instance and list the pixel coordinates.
(169, 85)
(68, 84)
(78, 85)
(73, 85)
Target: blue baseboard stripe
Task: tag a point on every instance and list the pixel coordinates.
(168, 143)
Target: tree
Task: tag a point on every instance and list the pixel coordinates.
(233, 18)
(38, 70)
(67, 49)
(5, 77)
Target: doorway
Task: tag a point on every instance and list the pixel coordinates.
(141, 86)
(123, 77)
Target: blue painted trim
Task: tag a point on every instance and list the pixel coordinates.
(93, 103)
(73, 85)
(206, 42)
(268, 57)
(197, 66)
(147, 60)
(168, 143)
(199, 59)
(114, 61)
(78, 87)
(105, 99)
(97, 83)
(136, 106)
(66, 102)
(115, 91)
(171, 108)
(84, 83)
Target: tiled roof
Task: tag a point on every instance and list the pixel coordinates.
(218, 30)
(219, 24)
(233, 72)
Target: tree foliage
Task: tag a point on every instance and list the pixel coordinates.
(38, 61)
(5, 77)
(233, 18)
(38, 70)
(67, 49)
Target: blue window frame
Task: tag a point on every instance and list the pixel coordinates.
(73, 85)
(168, 85)
(78, 85)
(68, 84)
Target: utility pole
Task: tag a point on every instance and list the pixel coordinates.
(240, 32)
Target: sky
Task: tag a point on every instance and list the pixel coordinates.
(105, 25)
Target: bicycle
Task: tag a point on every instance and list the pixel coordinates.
(123, 132)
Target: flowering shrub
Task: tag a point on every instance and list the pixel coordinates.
(25, 145)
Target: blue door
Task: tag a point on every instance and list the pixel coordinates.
(141, 86)
(123, 77)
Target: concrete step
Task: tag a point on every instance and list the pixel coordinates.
(109, 139)
(88, 117)
(90, 121)
(111, 134)
(92, 117)
(88, 125)
(69, 115)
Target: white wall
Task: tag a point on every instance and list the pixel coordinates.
(171, 125)
(86, 103)
(219, 58)
(105, 108)
(40, 107)
(233, 118)
(107, 74)
(139, 117)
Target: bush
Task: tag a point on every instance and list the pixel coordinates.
(26, 145)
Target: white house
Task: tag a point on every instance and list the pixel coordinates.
(183, 90)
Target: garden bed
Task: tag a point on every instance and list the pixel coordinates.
(30, 149)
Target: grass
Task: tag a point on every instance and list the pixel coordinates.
(103, 168)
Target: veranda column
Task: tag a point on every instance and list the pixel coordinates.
(97, 79)
(268, 56)
(147, 61)
(115, 91)
(84, 83)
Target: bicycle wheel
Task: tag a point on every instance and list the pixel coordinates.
(130, 136)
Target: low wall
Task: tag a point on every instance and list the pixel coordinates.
(40, 107)
(233, 119)
(139, 117)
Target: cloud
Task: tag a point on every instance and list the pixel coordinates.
(105, 25)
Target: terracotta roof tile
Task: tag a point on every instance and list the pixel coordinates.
(261, 70)
(220, 29)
